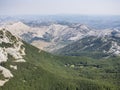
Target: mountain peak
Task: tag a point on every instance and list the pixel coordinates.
(20, 24)
(17, 28)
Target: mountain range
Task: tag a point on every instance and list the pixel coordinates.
(74, 39)
(54, 35)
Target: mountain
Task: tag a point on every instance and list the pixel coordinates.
(25, 67)
(53, 35)
(101, 44)
(69, 39)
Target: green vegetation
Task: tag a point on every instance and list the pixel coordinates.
(6, 45)
(1, 33)
(11, 37)
(44, 71)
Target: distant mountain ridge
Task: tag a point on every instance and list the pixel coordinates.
(54, 37)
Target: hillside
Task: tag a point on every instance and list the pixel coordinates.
(99, 45)
(39, 70)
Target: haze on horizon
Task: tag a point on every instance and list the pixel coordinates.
(48, 7)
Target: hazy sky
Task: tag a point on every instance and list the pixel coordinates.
(88, 7)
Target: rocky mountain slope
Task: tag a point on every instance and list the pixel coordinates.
(10, 46)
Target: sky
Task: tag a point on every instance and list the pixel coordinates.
(53, 7)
